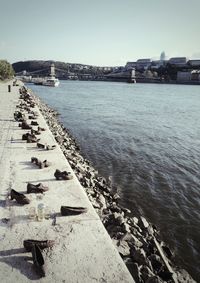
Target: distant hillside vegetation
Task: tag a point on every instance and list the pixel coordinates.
(63, 70)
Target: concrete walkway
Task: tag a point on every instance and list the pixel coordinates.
(83, 250)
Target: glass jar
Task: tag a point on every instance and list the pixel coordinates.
(40, 211)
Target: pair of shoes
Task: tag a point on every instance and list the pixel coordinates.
(19, 116)
(34, 132)
(40, 145)
(36, 189)
(47, 147)
(20, 198)
(50, 147)
(41, 129)
(62, 175)
(34, 123)
(70, 210)
(25, 126)
(32, 117)
(32, 139)
(41, 164)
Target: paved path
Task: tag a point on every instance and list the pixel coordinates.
(83, 251)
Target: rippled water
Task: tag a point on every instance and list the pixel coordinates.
(147, 137)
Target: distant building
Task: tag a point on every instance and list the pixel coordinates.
(183, 77)
(178, 61)
(190, 76)
(162, 56)
(143, 64)
(194, 63)
(130, 65)
(156, 64)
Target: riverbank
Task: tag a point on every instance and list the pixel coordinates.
(82, 250)
(134, 241)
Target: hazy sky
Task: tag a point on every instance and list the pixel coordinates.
(98, 32)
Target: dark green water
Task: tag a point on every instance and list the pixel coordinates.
(147, 137)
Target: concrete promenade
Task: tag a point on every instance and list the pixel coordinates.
(83, 251)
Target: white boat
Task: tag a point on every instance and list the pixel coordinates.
(51, 81)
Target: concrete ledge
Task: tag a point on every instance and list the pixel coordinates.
(83, 251)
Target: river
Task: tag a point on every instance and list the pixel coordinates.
(147, 138)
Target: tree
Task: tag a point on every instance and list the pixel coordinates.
(6, 70)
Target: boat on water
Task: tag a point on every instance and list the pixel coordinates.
(51, 81)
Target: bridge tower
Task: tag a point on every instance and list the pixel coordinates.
(52, 74)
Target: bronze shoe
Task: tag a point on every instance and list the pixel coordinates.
(50, 147)
(28, 244)
(69, 210)
(38, 260)
(62, 175)
(44, 164)
(40, 145)
(25, 126)
(36, 189)
(34, 123)
(20, 198)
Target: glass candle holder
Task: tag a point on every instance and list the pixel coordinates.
(32, 213)
(47, 212)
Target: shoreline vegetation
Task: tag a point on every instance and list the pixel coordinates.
(138, 242)
(6, 71)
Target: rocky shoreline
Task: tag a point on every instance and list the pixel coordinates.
(137, 241)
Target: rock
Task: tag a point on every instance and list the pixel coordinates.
(135, 272)
(123, 248)
(101, 200)
(126, 227)
(167, 251)
(154, 279)
(135, 220)
(155, 261)
(143, 222)
(184, 277)
(146, 273)
(116, 196)
(138, 255)
(119, 219)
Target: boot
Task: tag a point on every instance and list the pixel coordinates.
(38, 260)
(20, 198)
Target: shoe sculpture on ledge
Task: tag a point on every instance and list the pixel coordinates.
(62, 175)
(44, 244)
(36, 189)
(20, 198)
(38, 260)
(70, 210)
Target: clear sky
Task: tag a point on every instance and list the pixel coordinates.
(98, 32)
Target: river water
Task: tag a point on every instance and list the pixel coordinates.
(147, 138)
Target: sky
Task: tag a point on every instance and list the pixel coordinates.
(98, 32)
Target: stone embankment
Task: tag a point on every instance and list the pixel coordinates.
(137, 241)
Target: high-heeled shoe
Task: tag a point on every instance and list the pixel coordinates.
(20, 198)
